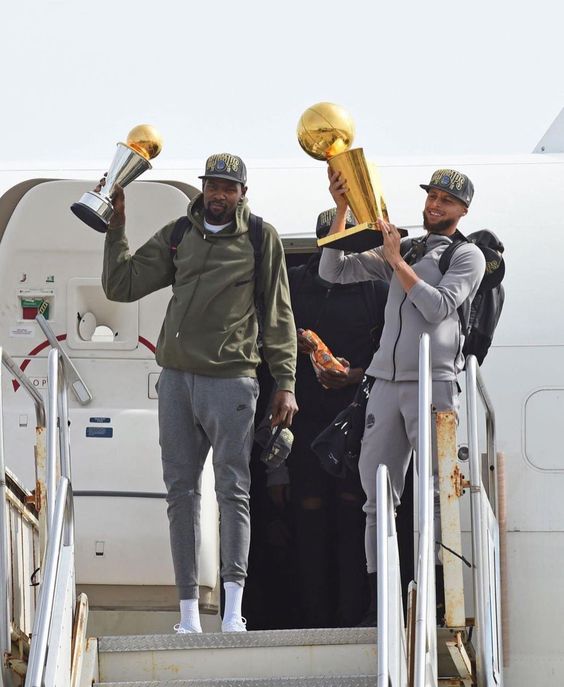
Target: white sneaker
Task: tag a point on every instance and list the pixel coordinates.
(183, 630)
(234, 624)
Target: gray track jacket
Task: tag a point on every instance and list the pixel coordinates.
(430, 306)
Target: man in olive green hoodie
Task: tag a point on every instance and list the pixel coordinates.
(209, 354)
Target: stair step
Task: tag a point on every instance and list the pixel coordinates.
(260, 638)
(239, 656)
(320, 681)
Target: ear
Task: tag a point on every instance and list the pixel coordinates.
(243, 190)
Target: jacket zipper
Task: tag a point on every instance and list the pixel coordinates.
(397, 338)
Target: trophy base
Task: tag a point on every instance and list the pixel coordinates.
(358, 239)
(355, 240)
(94, 210)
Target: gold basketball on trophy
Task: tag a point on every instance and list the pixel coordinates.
(325, 130)
(145, 140)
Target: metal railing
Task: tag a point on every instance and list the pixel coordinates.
(484, 528)
(473, 372)
(5, 622)
(392, 650)
(16, 600)
(24, 380)
(425, 663)
(59, 536)
(60, 521)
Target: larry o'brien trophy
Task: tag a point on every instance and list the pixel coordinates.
(326, 132)
(131, 159)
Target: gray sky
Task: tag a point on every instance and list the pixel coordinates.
(419, 78)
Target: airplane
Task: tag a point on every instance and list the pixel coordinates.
(50, 265)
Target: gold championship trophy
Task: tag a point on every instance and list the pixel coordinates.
(131, 159)
(326, 132)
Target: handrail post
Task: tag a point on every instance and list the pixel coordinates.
(490, 438)
(52, 432)
(41, 624)
(476, 509)
(382, 565)
(425, 574)
(392, 651)
(5, 605)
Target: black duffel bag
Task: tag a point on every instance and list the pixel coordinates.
(338, 445)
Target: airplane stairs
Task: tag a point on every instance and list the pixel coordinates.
(415, 653)
(341, 657)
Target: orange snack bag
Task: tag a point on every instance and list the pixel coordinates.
(322, 356)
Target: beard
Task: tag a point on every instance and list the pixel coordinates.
(218, 215)
(438, 227)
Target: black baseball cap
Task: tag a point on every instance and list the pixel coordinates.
(325, 220)
(225, 166)
(452, 182)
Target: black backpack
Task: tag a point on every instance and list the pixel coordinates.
(255, 235)
(480, 317)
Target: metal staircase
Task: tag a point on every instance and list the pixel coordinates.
(464, 651)
(285, 657)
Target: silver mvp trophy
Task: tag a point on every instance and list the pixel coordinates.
(131, 160)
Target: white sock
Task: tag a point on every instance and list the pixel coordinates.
(233, 599)
(190, 614)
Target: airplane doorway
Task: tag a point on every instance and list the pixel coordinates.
(274, 592)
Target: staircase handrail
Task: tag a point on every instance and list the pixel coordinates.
(392, 655)
(472, 368)
(475, 387)
(5, 629)
(60, 528)
(5, 597)
(425, 664)
(25, 382)
(57, 429)
(60, 534)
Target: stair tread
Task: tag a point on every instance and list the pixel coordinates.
(216, 640)
(315, 681)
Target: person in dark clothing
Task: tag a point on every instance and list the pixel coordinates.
(327, 511)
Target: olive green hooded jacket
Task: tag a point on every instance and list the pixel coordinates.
(210, 327)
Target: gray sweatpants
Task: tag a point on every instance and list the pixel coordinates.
(390, 434)
(196, 412)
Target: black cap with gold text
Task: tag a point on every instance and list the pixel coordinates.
(225, 166)
(325, 220)
(452, 182)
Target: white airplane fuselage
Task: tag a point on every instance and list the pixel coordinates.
(46, 253)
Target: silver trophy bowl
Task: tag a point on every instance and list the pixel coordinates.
(130, 161)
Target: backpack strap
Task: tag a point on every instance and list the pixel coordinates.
(256, 234)
(458, 239)
(181, 225)
(463, 310)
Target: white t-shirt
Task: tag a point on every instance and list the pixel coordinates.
(214, 228)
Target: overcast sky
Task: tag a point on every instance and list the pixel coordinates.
(419, 78)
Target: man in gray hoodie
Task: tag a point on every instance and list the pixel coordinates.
(421, 299)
